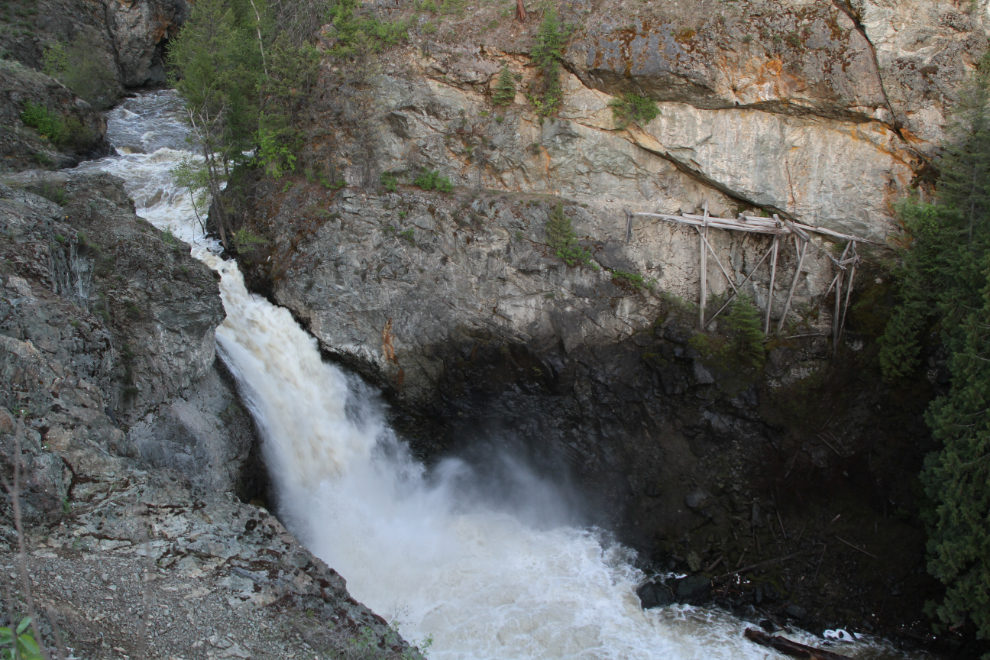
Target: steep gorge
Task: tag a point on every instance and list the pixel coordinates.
(457, 308)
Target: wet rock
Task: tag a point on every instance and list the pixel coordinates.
(655, 594)
(795, 611)
(693, 589)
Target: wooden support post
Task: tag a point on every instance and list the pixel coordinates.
(719, 262)
(704, 271)
(773, 276)
(838, 301)
(733, 295)
(629, 217)
(835, 314)
(852, 277)
(797, 276)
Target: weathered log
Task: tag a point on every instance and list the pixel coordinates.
(703, 297)
(787, 647)
(773, 276)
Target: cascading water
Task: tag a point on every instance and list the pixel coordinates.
(422, 547)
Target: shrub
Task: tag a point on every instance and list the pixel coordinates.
(431, 180)
(48, 124)
(505, 89)
(246, 241)
(19, 643)
(563, 242)
(389, 182)
(634, 280)
(79, 68)
(362, 33)
(632, 108)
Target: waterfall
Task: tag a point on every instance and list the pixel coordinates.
(425, 549)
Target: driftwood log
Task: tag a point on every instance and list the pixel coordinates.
(793, 649)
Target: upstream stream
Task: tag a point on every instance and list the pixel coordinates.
(423, 548)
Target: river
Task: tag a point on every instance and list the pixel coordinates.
(425, 549)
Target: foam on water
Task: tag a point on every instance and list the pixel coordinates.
(423, 548)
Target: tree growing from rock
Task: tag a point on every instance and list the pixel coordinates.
(505, 89)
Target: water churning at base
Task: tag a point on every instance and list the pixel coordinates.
(423, 548)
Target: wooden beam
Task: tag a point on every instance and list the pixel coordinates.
(788, 647)
(852, 277)
(704, 271)
(719, 262)
(731, 297)
(773, 276)
(838, 301)
(717, 224)
(797, 275)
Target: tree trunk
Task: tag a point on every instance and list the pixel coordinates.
(520, 11)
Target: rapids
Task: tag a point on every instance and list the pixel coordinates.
(424, 548)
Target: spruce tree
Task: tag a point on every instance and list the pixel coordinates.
(547, 53)
(945, 285)
(505, 89)
(746, 326)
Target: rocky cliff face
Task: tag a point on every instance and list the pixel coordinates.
(23, 147)
(133, 444)
(130, 35)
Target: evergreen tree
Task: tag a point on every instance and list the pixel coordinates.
(218, 72)
(505, 89)
(957, 479)
(746, 327)
(547, 53)
(945, 283)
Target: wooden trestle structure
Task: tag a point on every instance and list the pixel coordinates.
(778, 228)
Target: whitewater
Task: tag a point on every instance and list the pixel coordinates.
(423, 548)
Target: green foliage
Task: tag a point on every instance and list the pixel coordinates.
(634, 280)
(192, 175)
(632, 108)
(49, 124)
(431, 180)
(245, 240)
(292, 71)
(358, 33)
(548, 50)
(505, 89)
(19, 644)
(55, 60)
(944, 278)
(746, 329)
(389, 182)
(79, 67)
(714, 350)
(50, 190)
(563, 241)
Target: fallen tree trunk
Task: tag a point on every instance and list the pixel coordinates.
(793, 649)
